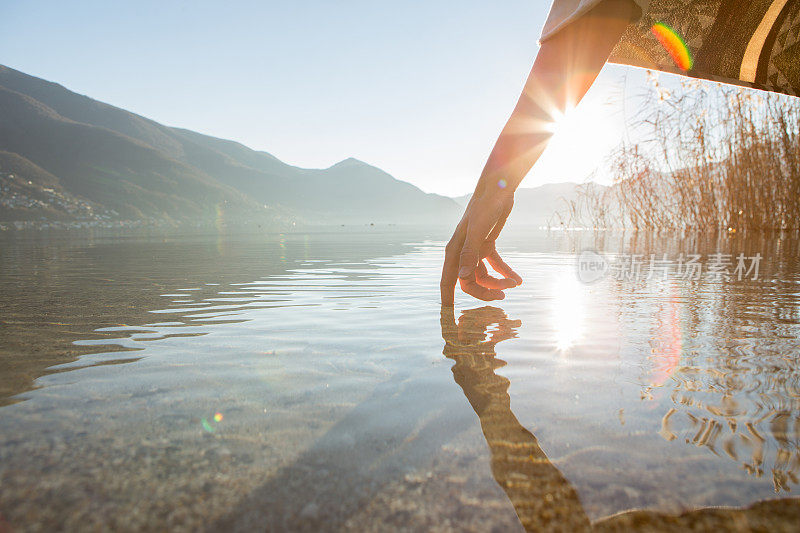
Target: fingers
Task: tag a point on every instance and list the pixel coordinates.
(463, 256)
(471, 287)
(447, 319)
(506, 329)
(447, 286)
(502, 268)
(483, 277)
(479, 227)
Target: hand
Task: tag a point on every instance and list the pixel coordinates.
(469, 334)
(471, 243)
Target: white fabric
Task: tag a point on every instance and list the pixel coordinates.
(562, 12)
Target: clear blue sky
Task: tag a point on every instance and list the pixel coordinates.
(419, 89)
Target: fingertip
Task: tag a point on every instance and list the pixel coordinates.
(493, 294)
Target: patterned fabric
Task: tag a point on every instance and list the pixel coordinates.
(754, 43)
(562, 12)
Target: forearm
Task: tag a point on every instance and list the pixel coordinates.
(564, 69)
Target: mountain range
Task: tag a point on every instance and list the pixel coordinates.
(546, 205)
(65, 156)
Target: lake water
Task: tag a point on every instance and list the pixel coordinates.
(312, 381)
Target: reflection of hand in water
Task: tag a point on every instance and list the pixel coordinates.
(470, 332)
(541, 495)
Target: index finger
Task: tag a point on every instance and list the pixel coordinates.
(447, 286)
(447, 319)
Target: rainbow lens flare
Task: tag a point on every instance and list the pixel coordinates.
(207, 424)
(502, 184)
(674, 45)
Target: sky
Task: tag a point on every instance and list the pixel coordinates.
(419, 89)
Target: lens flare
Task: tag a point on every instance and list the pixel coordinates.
(502, 184)
(208, 427)
(219, 221)
(674, 45)
(218, 417)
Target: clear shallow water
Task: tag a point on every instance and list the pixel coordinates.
(312, 381)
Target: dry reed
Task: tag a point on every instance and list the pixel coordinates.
(715, 157)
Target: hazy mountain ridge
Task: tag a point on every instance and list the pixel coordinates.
(133, 167)
(544, 205)
(105, 166)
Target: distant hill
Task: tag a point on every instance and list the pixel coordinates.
(119, 164)
(544, 205)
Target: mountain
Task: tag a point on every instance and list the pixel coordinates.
(545, 205)
(59, 148)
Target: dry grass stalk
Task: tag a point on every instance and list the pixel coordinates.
(716, 158)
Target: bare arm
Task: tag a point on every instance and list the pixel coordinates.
(541, 495)
(564, 69)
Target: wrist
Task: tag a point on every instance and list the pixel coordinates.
(495, 187)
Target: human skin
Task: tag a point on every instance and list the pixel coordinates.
(565, 67)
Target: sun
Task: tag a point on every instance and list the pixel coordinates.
(583, 137)
(560, 120)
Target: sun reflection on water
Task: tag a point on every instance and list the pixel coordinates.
(569, 308)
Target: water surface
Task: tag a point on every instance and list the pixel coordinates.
(311, 380)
